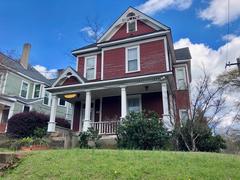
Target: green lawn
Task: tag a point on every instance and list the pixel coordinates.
(121, 164)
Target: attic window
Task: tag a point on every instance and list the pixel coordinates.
(131, 22)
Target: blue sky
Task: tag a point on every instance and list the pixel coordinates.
(54, 27)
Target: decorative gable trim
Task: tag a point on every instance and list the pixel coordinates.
(122, 19)
(68, 73)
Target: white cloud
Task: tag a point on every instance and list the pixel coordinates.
(214, 63)
(154, 6)
(213, 60)
(89, 31)
(49, 74)
(229, 37)
(217, 11)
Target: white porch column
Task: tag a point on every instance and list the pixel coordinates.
(166, 115)
(123, 102)
(86, 123)
(52, 123)
(11, 111)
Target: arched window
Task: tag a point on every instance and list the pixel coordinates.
(131, 22)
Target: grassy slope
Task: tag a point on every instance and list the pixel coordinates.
(118, 164)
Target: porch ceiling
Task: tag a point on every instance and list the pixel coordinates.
(111, 84)
(116, 91)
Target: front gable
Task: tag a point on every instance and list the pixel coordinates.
(69, 77)
(142, 28)
(144, 25)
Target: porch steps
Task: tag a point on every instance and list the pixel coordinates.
(56, 140)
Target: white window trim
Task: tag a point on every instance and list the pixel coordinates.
(34, 87)
(180, 113)
(126, 59)
(1, 82)
(128, 26)
(185, 80)
(95, 66)
(49, 98)
(60, 104)
(27, 89)
(139, 96)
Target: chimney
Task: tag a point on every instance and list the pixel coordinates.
(59, 72)
(25, 55)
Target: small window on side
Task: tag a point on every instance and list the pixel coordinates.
(184, 116)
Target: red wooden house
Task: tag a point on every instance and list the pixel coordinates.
(132, 67)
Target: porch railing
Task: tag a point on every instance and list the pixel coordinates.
(105, 127)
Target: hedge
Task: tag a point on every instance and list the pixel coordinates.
(23, 124)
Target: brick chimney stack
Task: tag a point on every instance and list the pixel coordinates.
(25, 55)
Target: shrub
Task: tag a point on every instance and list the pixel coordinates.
(206, 141)
(85, 139)
(25, 124)
(142, 131)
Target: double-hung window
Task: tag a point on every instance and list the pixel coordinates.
(134, 103)
(24, 89)
(181, 78)
(184, 116)
(131, 26)
(90, 67)
(46, 98)
(132, 59)
(37, 89)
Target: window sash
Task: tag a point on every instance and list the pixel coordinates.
(132, 26)
(90, 68)
(46, 98)
(24, 90)
(61, 102)
(132, 59)
(134, 104)
(184, 116)
(37, 89)
(180, 78)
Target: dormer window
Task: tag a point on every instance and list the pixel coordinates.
(131, 23)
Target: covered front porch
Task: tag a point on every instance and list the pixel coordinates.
(102, 105)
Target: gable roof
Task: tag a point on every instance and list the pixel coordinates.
(182, 54)
(17, 67)
(67, 73)
(119, 22)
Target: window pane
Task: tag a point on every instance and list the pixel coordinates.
(181, 84)
(62, 102)
(180, 76)
(132, 54)
(46, 98)
(133, 105)
(24, 90)
(132, 65)
(90, 74)
(37, 91)
(184, 116)
(90, 62)
(131, 26)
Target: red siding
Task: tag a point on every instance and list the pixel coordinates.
(81, 65)
(152, 59)
(70, 81)
(111, 108)
(81, 62)
(153, 102)
(76, 116)
(182, 100)
(142, 28)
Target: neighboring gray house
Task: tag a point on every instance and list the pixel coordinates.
(22, 88)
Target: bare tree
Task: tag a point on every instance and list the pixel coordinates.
(206, 110)
(93, 30)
